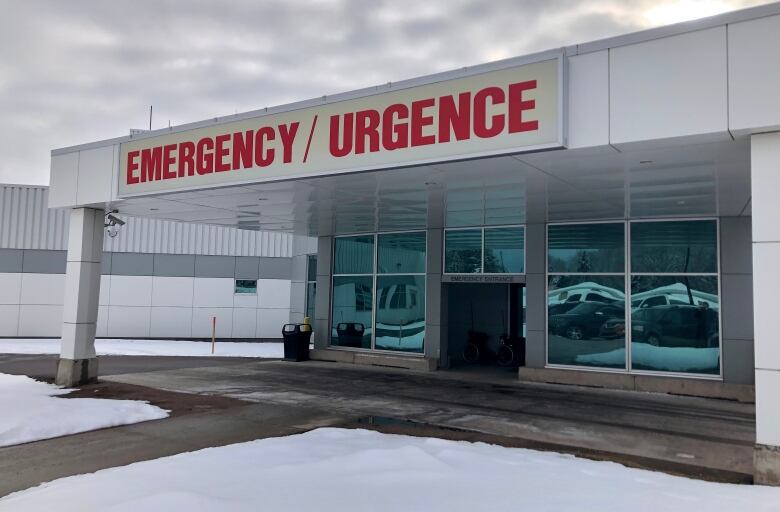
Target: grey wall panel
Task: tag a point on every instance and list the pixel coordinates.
(736, 249)
(174, 265)
(737, 306)
(132, 264)
(535, 356)
(215, 266)
(105, 264)
(247, 267)
(738, 361)
(10, 260)
(275, 268)
(37, 261)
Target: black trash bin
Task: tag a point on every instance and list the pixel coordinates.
(296, 341)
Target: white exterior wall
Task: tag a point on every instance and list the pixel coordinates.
(765, 175)
(147, 307)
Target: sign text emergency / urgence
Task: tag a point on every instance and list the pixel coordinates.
(398, 126)
(503, 111)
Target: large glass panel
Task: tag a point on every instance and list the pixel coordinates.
(311, 270)
(354, 255)
(352, 311)
(504, 250)
(463, 251)
(585, 248)
(586, 321)
(672, 247)
(311, 298)
(674, 324)
(400, 313)
(402, 253)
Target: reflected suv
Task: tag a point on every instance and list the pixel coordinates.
(584, 321)
(675, 326)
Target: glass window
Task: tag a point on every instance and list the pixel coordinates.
(674, 324)
(311, 268)
(352, 311)
(401, 253)
(354, 255)
(586, 333)
(586, 248)
(311, 298)
(504, 250)
(400, 313)
(463, 251)
(674, 247)
(246, 286)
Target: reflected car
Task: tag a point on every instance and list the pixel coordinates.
(676, 326)
(584, 321)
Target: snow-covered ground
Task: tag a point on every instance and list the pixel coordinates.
(125, 347)
(32, 411)
(359, 470)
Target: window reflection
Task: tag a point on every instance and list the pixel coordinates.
(674, 247)
(674, 324)
(400, 313)
(354, 255)
(586, 248)
(402, 253)
(463, 251)
(504, 250)
(352, 311)
(586, 320)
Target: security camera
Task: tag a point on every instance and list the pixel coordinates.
(113, 223)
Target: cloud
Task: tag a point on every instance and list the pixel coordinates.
(78, 71)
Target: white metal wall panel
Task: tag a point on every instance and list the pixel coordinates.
(26, 222)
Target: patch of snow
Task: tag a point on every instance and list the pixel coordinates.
(31, 411)
(671, 359)
(130, 347)
(344, 470)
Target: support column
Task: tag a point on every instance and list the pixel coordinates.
(78, 362)
(322, 302)
(765, 184)
(435, 330)
(535, 295)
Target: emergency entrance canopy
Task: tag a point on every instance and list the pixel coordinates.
(510, 110)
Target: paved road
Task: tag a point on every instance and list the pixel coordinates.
(682, 434)
(711, 439)
(45, 366)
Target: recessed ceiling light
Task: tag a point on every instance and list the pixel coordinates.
(681, 202)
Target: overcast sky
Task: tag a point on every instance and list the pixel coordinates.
(77, 71)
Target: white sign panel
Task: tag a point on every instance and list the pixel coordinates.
(498, 112)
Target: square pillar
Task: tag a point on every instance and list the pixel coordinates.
(535, 294)
(322, 302)
(765, 184)
(78, 362)
(435, 330)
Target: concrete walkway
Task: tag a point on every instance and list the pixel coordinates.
(698, 437)
(27, 465)
(711, 439)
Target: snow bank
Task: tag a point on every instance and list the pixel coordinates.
(671, 359)
(128, 347)
(346, 470)
(32, 411)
